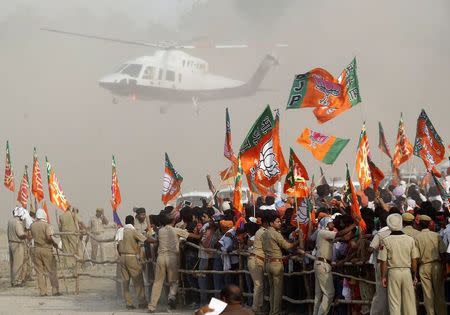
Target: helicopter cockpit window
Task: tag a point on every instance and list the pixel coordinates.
(170, 75)
(132, 70)
(149, 73)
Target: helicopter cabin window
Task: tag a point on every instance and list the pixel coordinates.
(160, 74)
(149, 73)
(170, 75)
(132, 70)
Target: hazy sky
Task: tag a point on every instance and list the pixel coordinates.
(51, 97)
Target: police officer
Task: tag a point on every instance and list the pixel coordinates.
(44, 261)
(272, 243)
(408, 224)
(167, 261)
(97, 227)
(431, 265)
(380, 298)
(129, 262)
(324, 287)
(398, 255)
(256, 266)
(16, 237)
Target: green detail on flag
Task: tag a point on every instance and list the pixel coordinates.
(352, 84)
(332, 154)
(48, 167)
(169, 165)
(260, 128)
(298, 91)
(445, 197)
(434, 135)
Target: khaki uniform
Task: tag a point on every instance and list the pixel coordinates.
(398, 251)
(130, 267)
(17, 250)
(97, 228)
(44, 261)
(68, 222)
(431, 246)
(256, 269)
(167, 262)
(324, 287)
(380, 299)
(272, 243)
(410, 231)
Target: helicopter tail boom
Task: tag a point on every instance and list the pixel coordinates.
(264, 67)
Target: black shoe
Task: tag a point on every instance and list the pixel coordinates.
(172, 304)
(151, 311)
(142, 306)
(131, 307)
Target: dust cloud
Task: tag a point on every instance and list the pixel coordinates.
(51, 99)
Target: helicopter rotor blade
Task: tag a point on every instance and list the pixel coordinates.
(116, 40)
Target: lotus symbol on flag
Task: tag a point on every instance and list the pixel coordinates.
(267, 160)
(302, 215)
(326, 87)
(317, 138)
(167, 183)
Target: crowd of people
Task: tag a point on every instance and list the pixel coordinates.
(399, 258)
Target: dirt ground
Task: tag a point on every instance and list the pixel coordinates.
(97, 295)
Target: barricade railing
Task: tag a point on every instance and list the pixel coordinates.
(298, 256)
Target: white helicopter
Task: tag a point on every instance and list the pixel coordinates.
(172, 75)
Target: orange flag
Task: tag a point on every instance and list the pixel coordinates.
(362, 163)
(295, 184)
(376, 174)
(9, 174)
(171, 182)
(324, 148)
(54, 188)
(45, 208)
(22, 197)
(260, 152)
(237, 193)
(403, 148)
(329, 96)
(36, 180)
(352, 199)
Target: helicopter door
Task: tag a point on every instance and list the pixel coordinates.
(170, 78)
(148, 76)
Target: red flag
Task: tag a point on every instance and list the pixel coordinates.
(362, 164)
(228, 173)
(382, 143)
(36, 180)
(171, 182)
(428, 144)
(376, 173)
(228, 148)
(352, 200)
(295, 184)
(9, 174)
(22, 197)
(403, 148)
(55, 190)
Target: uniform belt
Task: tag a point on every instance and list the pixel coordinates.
(257, 256)
(324, 260)
(274, 259)
(16, 242)
(132, 255)
(430, 262)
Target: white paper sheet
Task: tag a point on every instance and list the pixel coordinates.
(217, 305)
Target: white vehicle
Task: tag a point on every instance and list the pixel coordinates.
(173, 75)
(227, 193)
(194, 198)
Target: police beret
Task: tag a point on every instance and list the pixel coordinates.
(140, 210)
(424, 217)
(408, 217)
